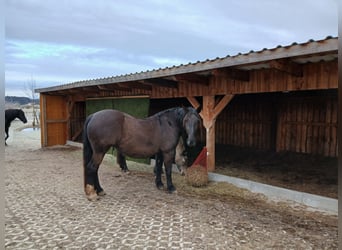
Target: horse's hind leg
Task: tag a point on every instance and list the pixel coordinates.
(90, 180)
(158, 170)
(121, 160)
(92, 184)
(98, 188)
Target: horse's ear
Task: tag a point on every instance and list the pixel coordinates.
(198, 109)
(183, 108)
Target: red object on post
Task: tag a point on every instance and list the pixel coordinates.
(201, 158)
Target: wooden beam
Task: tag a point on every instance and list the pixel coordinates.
(72, 91)
(90, 88)
(79, 91)
(288, 66)
(139, 85)
(232, 73)
(78, 132)
(113, 87)
(221, 105)
(193, 101)
(162, 82)
(78, 97)
(194, 78)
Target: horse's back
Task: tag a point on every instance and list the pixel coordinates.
(106, 117)
(105, 126)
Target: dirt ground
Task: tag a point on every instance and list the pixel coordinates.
(218, 216)
(301, 172)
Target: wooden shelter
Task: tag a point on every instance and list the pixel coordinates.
(281, 99)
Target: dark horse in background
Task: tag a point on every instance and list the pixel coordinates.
(139, 138)
(10, 115)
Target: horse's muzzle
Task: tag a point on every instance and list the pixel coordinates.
(191, 143)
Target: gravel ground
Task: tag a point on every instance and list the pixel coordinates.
(47, 209)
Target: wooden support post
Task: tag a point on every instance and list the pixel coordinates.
(209, 124)
(43, 124)
(193, 102)
(209, 114)
(70, 106)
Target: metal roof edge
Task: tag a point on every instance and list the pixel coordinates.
(327, 45)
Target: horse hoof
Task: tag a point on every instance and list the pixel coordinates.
(160, 186)
(126, 171)
(93, 197)
(90, 193)
(172, 189)
(101, 193)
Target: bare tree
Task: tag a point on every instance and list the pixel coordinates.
(30, 87)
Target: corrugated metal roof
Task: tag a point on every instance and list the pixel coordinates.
(310, 51)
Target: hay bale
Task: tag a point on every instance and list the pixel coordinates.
(197, 176)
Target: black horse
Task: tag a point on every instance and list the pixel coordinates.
(10, 115)
(139, 138)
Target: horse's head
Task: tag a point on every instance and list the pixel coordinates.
(21, 116)
(191, 125)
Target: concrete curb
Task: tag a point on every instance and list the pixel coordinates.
(317, 202)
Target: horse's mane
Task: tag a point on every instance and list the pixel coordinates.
(12, 112)
(179, 113)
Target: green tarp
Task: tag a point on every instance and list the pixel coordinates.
(137, 107)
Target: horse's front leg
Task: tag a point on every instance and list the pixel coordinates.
(158, 170)
(6, 132)
(168, 160)
(121, 160)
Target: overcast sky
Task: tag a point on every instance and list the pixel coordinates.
(57, 42)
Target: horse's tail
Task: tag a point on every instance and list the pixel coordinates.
(87, 149)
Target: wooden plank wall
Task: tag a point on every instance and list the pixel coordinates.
(77, 118)
(303, 122)
(246, 122)
(308, 125)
